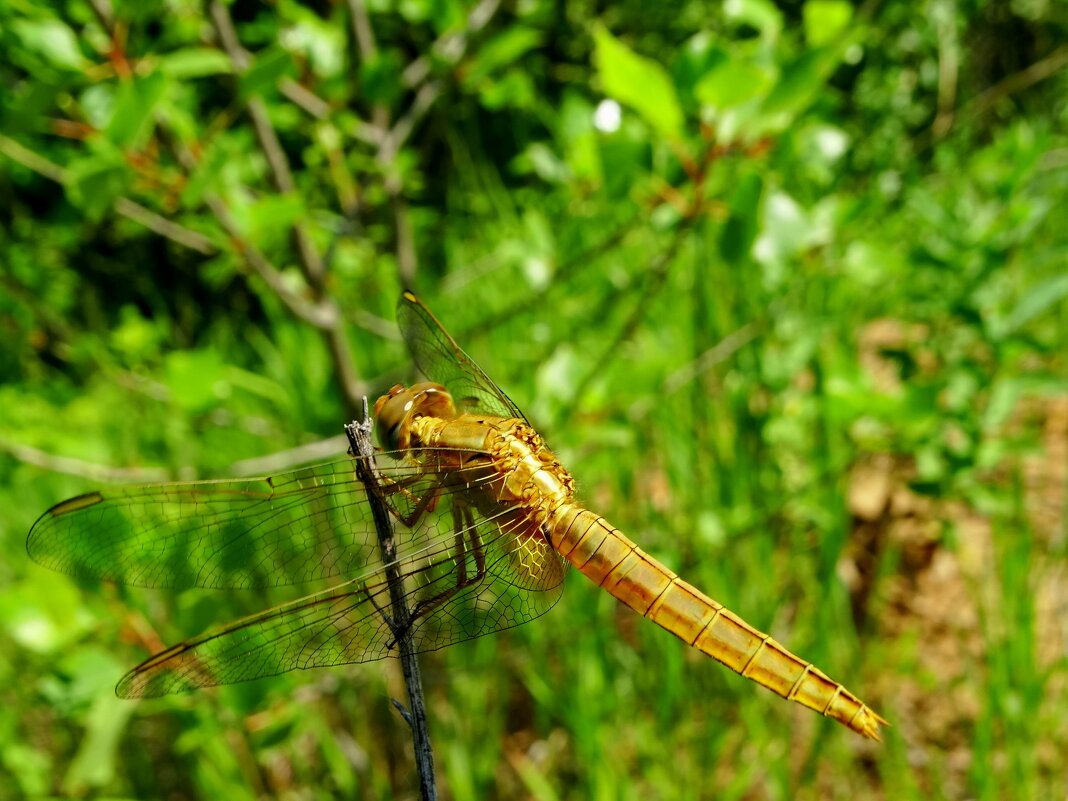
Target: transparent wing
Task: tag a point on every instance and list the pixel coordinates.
(307, 525)
(442, 360)
(488, 575)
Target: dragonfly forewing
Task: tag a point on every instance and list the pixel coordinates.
(440, 359)
(305, 526)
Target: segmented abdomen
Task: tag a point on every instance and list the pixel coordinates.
(615, 563)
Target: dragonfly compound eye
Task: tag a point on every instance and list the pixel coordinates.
(396, 410)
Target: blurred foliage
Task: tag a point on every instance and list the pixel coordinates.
(783, 284)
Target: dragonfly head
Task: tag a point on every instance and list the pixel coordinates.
(395, 411)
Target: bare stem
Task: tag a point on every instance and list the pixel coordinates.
(27, 454)
(322, 311)
(122, 205)
(268, 140)
(361, 29)
(359, 435)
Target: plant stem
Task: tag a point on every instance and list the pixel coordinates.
(400, 619)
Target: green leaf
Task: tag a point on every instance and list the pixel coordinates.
(135, 338)
(825, 20)
(578, 137)
(502, 51)
(42, 614)
(539, 159)
(638, 82)
(52, 40)
(268, 68)
(785, 223)
(380, 77)
(31, 768)
(94, 764)
(1036, 302)
(732, 83)
(319, 43)
(624, 162)
(697, 57)
(195, 62)
(133, 115)
(743, 225)
(274, 215)
(800, 82)
(515, 89)
(209, 174)
(1003, 398)
(254, 383)
(414, 11)
(443, 15)
(760, 14)
(275, 735)
(28, 109)
(94, 182)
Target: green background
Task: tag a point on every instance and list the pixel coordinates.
(794, 319)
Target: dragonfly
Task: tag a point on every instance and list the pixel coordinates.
(489, 525)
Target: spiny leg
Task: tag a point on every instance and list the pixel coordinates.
(423, 505)
(463, 522)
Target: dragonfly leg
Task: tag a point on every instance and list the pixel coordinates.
(425, 504)
(467, 540)
(382, 612)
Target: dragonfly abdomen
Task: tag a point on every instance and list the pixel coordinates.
(609, 559)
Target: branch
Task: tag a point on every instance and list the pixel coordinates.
(104, 13)
(122, 205)
(451, 48)
(325, 309)
(948, 57)
(304, 98)
(77, 467)
(364, 38)
(321, 316)
(268, 139)
(322, 312)
(1035, 73)
(400, 617)
(406, 257)
(168, 229)
(361, 29)
(401, 131)
(718, 353)
(1038, 71)
(284, 460)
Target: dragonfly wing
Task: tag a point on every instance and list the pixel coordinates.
(307, 525)
(439, 358)
(495, 581)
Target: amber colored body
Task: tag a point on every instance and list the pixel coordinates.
(536, 494)
(487, 525)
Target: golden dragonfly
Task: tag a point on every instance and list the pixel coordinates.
(490, 524)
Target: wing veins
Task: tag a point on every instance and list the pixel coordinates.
(283, 617)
